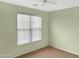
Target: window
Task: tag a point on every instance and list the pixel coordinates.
(29, 28)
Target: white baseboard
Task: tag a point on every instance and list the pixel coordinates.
(65, 50)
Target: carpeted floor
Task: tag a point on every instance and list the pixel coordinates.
(49, 52)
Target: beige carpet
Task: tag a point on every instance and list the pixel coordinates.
(49, 52)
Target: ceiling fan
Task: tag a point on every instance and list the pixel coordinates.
(45, 1)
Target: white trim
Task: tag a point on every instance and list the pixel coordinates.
(65, 50)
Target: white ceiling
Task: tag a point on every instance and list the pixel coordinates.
(60, 4)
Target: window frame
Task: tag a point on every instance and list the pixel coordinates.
(41, 29)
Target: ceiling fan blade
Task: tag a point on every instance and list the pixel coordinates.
(43, 4)
(51, 2)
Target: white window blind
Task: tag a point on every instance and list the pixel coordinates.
(29, 29)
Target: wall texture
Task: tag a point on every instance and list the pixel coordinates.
(8, 32)
(64, 29)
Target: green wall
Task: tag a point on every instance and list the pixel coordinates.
(8, 38)
(64, 29)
